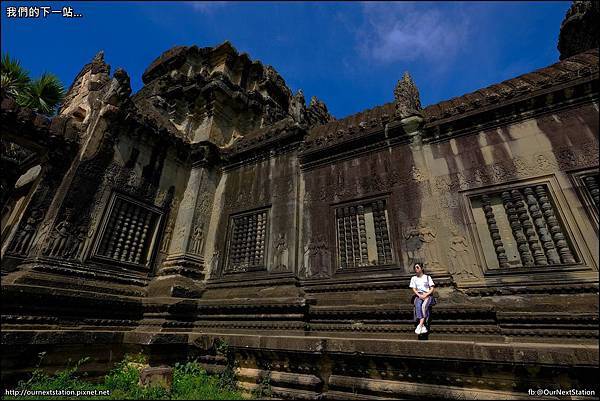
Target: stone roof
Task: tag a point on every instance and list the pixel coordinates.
(579, 66)
(181, 85)
(36, 127)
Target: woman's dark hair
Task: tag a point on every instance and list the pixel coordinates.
(421, 265)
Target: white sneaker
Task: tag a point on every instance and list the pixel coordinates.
(423, 330)
(418, 329)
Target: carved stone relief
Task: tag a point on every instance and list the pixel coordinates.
(30, 239)
(283, 187)
(348, 187)
(202, 213)
(62, 237)
(173, 203)
(317, 258)
(420, 244)
(167, 235)
(197, 244)
(280, 255)
(461, 264)
(214, 262)
(24, 237)
(540, 163)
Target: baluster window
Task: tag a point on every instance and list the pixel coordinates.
(247, 239)
(521, 227)
(129, 233)
(363, 234)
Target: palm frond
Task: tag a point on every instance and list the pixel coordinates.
(14, 78)
(43, 95)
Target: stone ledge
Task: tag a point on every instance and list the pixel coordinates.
(297, 379)
(556, 354)
(396, 389)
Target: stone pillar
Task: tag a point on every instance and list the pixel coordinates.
(178, 260)
(183, 270)
(429, 229)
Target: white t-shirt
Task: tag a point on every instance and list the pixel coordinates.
(422, 284)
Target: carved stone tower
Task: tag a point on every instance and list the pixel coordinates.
(579, 30)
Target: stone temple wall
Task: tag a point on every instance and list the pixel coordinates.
(215, 205)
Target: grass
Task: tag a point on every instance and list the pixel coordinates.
(190, 382)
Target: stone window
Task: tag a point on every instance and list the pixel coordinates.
(363, 234)
(247, 239)
(587, 185)
(129, 233)
(521, 227)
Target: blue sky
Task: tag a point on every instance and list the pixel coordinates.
(348, 54)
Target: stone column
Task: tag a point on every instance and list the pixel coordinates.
(182, 272)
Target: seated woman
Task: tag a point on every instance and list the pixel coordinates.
(423, 286)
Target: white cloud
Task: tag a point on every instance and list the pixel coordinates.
(407, 31)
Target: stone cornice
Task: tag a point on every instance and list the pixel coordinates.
(56, 138)
(575, 72)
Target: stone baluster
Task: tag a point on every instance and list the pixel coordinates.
(252, 226)
(263, 236)
(494, 232)
(141, 247)
(349, 248)
(260, 238)
(541, 226)
(250, 238)
(526, 236)
(355, 237)
(240, 239)
(517, 229)
(128, 224)
(565, 253)
(362, 231)
(341, 237)
(120, 230)
(240, 243)
(107, 246)
(135, 232)
(383, 227)
(378, 234)
(591, 183)
(534, 245)
(235, 244)
(245, 235)
(255, 239)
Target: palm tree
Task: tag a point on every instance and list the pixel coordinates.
(13, 78)
(42, 95)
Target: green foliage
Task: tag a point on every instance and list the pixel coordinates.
(227, 377)
(13, 77)
(123, 380)
(135, 358)
(67, 379)
(42, 95)
(263, 390)
(190, 382)
(221, 346)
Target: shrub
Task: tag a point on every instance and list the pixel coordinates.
(190, 382)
